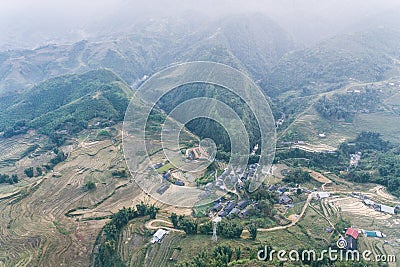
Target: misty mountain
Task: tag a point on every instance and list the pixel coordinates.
(365, 56)
(252, 42)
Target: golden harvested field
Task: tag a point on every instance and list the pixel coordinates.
(319, 177)
(49, 221)
(34, 227)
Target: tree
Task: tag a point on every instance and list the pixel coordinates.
(206, 228)
(90, 185)
(230, 229)
(152, 210)
(29, 172)
(141, 208)
(224, 254)
(60, 157)
(188, 225)
(238, 253)
(265, 207)
(5, 178)
(297, 175)
(39, 171)
(252, 230)
(174, 219)
(14, 178)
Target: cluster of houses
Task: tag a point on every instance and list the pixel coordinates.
(285, 199)
(196, 153)
(377, 206)
(241, 209)
(168, 177)
(230, 209)
(355, 159)
(236, 178)
(352, 235)
(158, 165)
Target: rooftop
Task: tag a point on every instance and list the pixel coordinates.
(352, 232)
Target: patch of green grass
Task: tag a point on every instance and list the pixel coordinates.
(60, 228)
(165, 168)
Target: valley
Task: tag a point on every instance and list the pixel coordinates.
(95, 172)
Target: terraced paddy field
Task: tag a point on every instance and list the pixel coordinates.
(366, 218)
(385, 120)
(177, 247)
(53, 220)
(34, 227)
(19, 152)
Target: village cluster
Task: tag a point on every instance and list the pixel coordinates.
(377, 206)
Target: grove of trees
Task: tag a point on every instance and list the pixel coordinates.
(108, 254)
(7, 179)
(345, 106)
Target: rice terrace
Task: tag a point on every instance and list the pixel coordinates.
(200, 134)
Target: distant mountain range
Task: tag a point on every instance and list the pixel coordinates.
(367, 56)
(252, 43)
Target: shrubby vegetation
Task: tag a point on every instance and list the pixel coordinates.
(29, 172)
(18, 128)
(186, 224)
(297, 176)
(60, 157)
(90, 185)
(228, 229)
(366, 141)
(120, 173)
(252, 230)
(221, 256)
(7, 179)
(345, 106)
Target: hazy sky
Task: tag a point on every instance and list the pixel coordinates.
(209, 6)
(305, 19)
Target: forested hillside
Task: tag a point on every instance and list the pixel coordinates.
(366, 56)
(206, 128)
(66, 104)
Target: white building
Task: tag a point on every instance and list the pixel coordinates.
(387, 209)
(159, 235)
(322, 195)
(369, 202)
